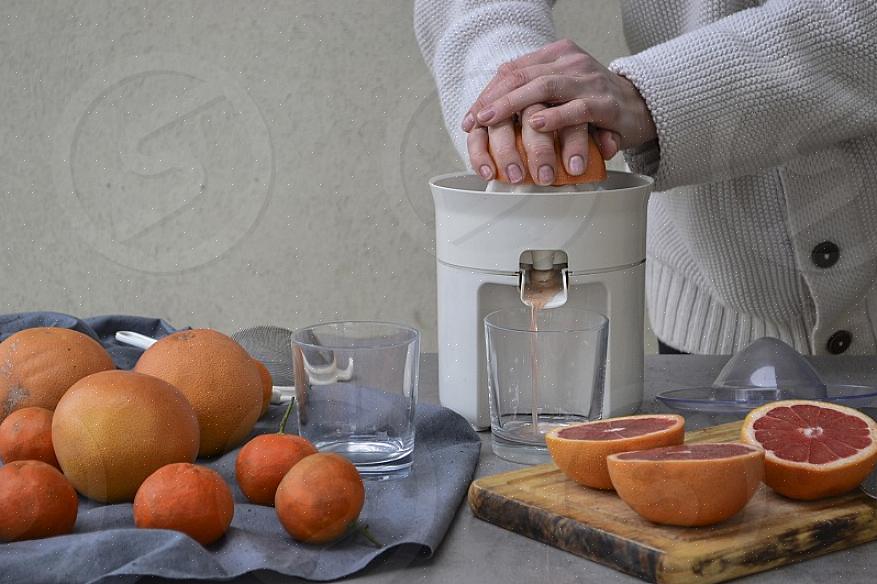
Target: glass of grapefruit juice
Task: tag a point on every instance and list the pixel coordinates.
(545, 368)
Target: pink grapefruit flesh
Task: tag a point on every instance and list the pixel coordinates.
(812, 449)
(615, 429)
(805, 433)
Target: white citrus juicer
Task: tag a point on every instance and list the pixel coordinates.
(491, 245)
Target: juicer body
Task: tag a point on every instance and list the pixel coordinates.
(480, 241)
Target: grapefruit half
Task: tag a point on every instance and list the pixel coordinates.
(594, 172)
(812, 449)
(689, 484)
(580, 450)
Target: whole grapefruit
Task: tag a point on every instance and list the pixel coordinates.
(113, 429)
(217, 376)
(26, 434)
(35, 501)
(37, 365)
(264, 461)
(188, 498)
(688, 484)
(320, 498)
(813, 449)
(580, 450)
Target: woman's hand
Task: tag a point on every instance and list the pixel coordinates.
(557, 88)
(539, 146)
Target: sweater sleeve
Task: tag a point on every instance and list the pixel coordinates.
(464, 42)
(756, 89)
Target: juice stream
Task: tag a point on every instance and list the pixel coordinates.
(535, 308)
(544, 286)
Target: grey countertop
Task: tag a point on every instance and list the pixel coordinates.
(476, 551)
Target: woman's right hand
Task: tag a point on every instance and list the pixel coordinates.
(539, 147)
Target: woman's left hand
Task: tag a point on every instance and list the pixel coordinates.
(576, 88)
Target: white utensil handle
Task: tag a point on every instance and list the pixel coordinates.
(329, 374)
(282, 394)
(135, 339)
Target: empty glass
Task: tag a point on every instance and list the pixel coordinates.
(545, 368)
(356, 387)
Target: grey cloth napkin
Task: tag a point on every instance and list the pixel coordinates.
(412, 513)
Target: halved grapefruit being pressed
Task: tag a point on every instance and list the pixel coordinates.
(813, 449)
(580, 450)
(689, 484)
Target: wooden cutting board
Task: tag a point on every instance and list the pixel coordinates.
(541, 503)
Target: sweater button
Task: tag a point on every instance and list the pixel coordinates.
(825, 254)
(839, 342)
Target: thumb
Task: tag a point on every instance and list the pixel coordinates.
(608, 142)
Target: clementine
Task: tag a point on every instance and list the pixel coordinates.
(26, 434)
(264, 461)
(35, 501)
(320, 498)
(188, 498)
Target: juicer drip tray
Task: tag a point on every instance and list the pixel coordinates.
(767, 370)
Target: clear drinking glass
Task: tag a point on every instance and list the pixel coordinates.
(356, 388)
(545, 368)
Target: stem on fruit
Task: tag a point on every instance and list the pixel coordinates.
(282, 429)
(362, 529)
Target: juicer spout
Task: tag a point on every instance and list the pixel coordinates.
(544, 288)
(543, 259)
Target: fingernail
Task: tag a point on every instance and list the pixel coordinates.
(576, 164)
(514, 173)
(485, 115)
(468, 122)
(537, 122)
(546, 174)
(485, 172)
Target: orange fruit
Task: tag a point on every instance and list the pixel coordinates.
(35, 501)
(688, 484)
(580, 450)
(113, 429)
(267, 386)
(188, 498)
(320, 498)
(813, 449)
(218, 378)
(594, 172)
(38, 365)
(26, 434)
(264, 461)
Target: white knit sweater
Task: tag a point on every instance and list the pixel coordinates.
(766, 115)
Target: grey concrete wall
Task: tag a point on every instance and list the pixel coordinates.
(226, 163)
